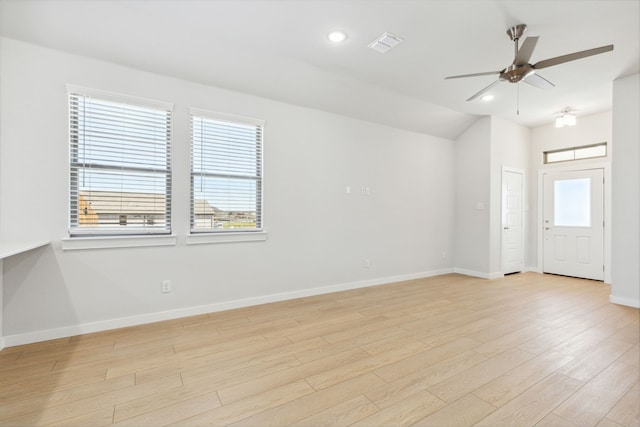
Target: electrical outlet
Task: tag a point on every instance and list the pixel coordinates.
(444, 255)
(367, 263)
(166, 286)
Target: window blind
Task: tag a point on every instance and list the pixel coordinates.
(226, 173)
(120, 165)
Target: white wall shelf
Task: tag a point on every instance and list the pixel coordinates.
(8, 249)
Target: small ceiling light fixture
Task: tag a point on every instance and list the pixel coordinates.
(565, 117)
(337, 36)
(487, 98)
(385, 42)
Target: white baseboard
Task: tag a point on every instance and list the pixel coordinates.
(1, 343)
(122, 322)
(630, 302)
(473, 273)
(532, 270)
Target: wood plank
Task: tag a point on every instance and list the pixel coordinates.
(588, 365)
(553, 420)
(80, 407)
(225, 379)
(174, 412)
(342, 414)
(98, 418)
(587, 406)
(404, 413)
(253, 386)
(47, 383)
(606, 422)
(627, 411)
(158, 400)
(64, 396)
(425, 358)
(476, 376)
(449, 367)
(329, 377)
(298, 409)
(505, 387)
(632, 356)
(465, 411)
(256, 404)
(533, 405)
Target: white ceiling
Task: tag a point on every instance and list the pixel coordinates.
(279, 50)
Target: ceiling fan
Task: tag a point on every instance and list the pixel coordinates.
(522, 70)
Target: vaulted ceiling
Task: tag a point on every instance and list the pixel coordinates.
(279, 50)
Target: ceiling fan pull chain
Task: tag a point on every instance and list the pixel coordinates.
(518, 99)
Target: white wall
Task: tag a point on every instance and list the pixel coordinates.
(509, 148)
(481, 152)
(1, 306)
(625, 285)
(472, 190)
(318, 236)
(592, 129)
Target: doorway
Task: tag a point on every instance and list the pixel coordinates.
(512, 220)
(573, 223)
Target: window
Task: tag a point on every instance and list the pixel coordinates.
(572, 203)
(576, 153)
(226, 173)
(120, 164)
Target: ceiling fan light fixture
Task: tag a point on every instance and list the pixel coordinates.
(488, 98)
(565, 118)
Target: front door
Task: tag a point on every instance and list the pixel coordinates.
(574, 223)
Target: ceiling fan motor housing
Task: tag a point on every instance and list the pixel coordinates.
(516, 73)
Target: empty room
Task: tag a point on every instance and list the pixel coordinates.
(319, 213)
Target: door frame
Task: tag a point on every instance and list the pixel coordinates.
(572, 166)
(523, 187)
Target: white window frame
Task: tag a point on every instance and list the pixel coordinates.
(571, 153)
(214, 235)
(109, 237)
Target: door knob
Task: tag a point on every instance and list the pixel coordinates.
(506, 228)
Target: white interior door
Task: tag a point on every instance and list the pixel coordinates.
(512, 231)
(574, 224)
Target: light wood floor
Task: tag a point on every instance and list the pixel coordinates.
(525, 350)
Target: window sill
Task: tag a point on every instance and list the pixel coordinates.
(81, 243)
(207, 238)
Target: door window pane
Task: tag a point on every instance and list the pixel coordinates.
(572, 202)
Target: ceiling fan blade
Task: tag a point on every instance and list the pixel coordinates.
(538, 81)
(525, 51)
(484, 90)
(488, 73)
(572, 57)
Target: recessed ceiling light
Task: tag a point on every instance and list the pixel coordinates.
(487, 98)
(337, 36)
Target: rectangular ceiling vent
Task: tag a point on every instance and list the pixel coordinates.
(385, 42)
